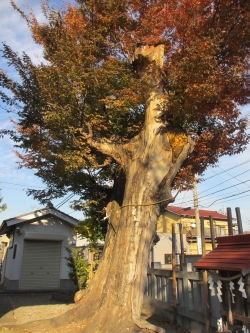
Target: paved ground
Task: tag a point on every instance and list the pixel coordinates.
(21, 308)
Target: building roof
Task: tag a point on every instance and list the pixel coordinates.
(35, 216)
(231, 254)
(191, 213)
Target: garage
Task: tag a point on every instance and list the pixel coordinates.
(41, 265)
(36, 256)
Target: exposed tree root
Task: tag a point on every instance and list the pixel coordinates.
(99, 323)
(44, 326)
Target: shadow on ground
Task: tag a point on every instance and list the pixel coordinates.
(21, 308)
(169, 326)
(18, 308)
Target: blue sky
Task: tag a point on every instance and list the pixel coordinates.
(226, 185)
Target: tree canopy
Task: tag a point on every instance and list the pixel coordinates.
(87, 95)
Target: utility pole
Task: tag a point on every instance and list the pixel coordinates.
(197, 217)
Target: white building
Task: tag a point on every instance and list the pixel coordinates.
(36, 256)
(161, 254)
(85, 244)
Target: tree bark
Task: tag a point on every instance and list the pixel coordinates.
(114, 299)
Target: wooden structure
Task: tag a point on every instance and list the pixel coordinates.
(180, 294)
(179, 297)
(190, 298)
(228, 266)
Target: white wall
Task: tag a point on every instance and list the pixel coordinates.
(13, 266)
(164, 246)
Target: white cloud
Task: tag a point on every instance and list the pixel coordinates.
(15, 32)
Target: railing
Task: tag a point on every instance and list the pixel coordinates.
(188, 283)
(189, 304)
(182, 295)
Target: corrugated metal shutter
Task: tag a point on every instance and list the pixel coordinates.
(41, 265)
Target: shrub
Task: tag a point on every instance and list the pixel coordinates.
(79, 267)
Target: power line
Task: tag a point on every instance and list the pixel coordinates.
(219, 199)
(226, 170)
(225, 181)
(10, 188)
(65, 200)
(201, 200)
(203, 197)
(233, 176)
(206, 197)
(1, 182)
(226, 188)
(209, 198)
(234, 195)
(245, 196)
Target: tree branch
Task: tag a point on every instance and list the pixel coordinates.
(215, 14)
(107, 148)
(104, 146)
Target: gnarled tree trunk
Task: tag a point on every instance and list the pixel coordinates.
(150, 161)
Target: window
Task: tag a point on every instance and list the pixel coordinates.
(220, 231)
(223, 231)
(168, 259)
(217, 231)
(207, 232)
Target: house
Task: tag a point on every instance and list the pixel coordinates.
(161, 254)
(90, 255)
(186, 217)
(36, 255)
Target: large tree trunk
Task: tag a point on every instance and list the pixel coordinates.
(114, 299)
(151, 160)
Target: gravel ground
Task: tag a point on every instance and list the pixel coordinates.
(18, 309)
(28, 307)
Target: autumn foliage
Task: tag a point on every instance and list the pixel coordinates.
(86, 80)
(86, 77)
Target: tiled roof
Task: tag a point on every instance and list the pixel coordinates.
(190, 212)
(231, 254)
